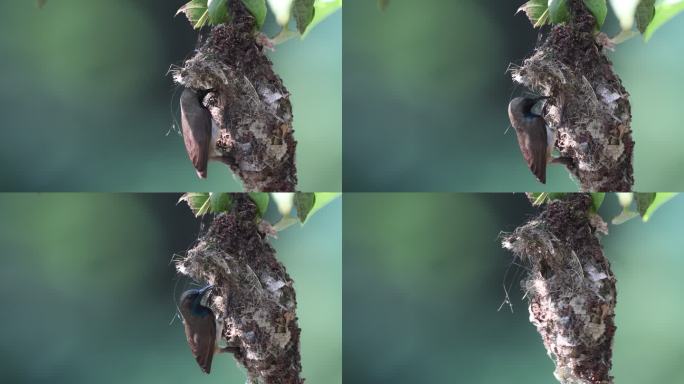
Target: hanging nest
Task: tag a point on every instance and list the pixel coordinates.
(254, 297)
(570, 288)
(589, 108)
(248, 101)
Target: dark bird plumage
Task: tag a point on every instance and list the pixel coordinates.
(200, 327)
(197, 130)
(533, 138)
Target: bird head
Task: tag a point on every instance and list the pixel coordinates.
(522, 106)
(191, 301)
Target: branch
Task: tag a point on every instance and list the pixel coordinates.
(589, 108)
(570, 288)
(254, 296)
(248, 101)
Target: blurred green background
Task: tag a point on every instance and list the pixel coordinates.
(90, 290)
(426, 95)
(88, 105)
(424, 275)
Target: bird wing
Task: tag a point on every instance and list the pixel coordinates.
(201, 335)
(534, 149)
(196, 124)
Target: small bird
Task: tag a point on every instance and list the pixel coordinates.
(200, 327)
(534, 136)
(199, 131)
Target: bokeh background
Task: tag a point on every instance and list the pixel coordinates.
(88, 105)
(424, 275)
(90, 290)
(426, 95)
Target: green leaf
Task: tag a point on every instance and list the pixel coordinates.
(303, 11)
(304, 203)
(261, 201)
(540, 12)
(537, 12)
(202, 21)
(285, 222)
(596, 200)
(644, 200)
(644, 14)
(544, 19)
(558, 11)
(220, 202)
(322, 9)
(322, 199)
(284, 201)
(625, 198)
(258, 9)
(281, 10)
(647, 203)
(599, 9)
(202, 203)
(195, 11)
(218, 11)
(539, 198)
(197, 201)
(624, 216)
(624, 10)
(309, 203)
(660, 199)
(664, 11)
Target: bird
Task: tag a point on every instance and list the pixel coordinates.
(534, 137)
(200, 327)
(199, 131)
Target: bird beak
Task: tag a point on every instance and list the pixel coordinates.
(204, 290)
(203, 297)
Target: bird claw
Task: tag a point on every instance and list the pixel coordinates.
(563, 160)
(229, 349)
